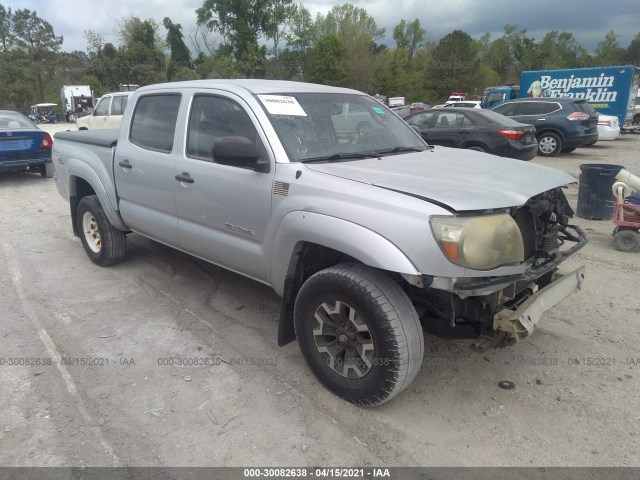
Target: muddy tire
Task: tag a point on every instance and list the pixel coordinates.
(359, 333)
(104, 244)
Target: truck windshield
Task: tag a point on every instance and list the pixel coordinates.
(332, 126)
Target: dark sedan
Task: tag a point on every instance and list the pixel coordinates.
(23, 146)
(480, 130)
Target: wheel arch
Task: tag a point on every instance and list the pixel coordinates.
(557, 131)
(307, 243)
(83, 181)
(476, 143)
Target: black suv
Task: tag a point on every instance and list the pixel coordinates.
(562, 124)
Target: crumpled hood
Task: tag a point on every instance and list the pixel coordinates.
(460, 179)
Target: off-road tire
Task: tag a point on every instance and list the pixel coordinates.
(395, 331)
(104, 244)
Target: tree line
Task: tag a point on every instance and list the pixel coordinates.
(279, 39)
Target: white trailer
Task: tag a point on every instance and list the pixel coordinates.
(77, 101)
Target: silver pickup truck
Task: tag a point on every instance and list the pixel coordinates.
(368, 235)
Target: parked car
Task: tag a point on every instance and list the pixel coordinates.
(419, 107)
(23, 146)
(608, 127)
(562, 124)
(108, 112)
(481, 130)
(465, 104)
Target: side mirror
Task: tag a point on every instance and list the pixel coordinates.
(417, 129)
(237, 152)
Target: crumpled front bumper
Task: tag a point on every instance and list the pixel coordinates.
(521, 322)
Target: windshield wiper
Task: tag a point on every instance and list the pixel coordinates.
(401, 149)
(340, 156)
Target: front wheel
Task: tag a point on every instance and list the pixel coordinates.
(104, 244)
(359, 333)
(549, 144)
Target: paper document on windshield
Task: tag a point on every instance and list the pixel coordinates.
(282, 105)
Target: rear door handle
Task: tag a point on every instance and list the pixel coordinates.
(184, 177)
(125, 164)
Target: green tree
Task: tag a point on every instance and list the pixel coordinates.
(34, 37)
(608, 51)
(357, 31)
(6, 38)
(409, 36)
(180, 57)
(276, 22)
(348, 22)
(559, 50)
(632, 55)
(325, 62)
(453, 64)
(301, 29)
(242, 22)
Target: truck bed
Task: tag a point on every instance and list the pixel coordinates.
(101, 138)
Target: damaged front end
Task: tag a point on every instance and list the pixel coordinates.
(500, 310)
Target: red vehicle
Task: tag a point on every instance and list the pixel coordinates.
(626, 218)
(626, 213)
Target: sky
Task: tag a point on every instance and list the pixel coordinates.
(588, 20)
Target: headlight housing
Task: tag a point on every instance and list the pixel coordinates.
(481, 243)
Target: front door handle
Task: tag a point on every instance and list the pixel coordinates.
(125, 164)
(184, 177)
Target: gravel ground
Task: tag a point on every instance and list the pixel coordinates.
(577, 379)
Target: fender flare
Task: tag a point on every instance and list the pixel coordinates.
(80, 169)
(356, 241)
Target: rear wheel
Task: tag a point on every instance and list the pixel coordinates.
(549, 144)
(46, 170)
(476, 148)
(359, 333)
(626, 240)
(104, 244)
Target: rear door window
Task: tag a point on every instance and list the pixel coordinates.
(533, 108)
(420, 119)
(585, 107)
(117, 104)
(153, 124)
(507, 109)
(102, 108)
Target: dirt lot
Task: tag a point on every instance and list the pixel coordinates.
(577, 379)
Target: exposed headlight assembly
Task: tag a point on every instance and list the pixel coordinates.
(481, 243)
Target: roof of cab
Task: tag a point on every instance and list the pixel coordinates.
(254, 86)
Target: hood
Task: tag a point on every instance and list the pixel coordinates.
(458, 179)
